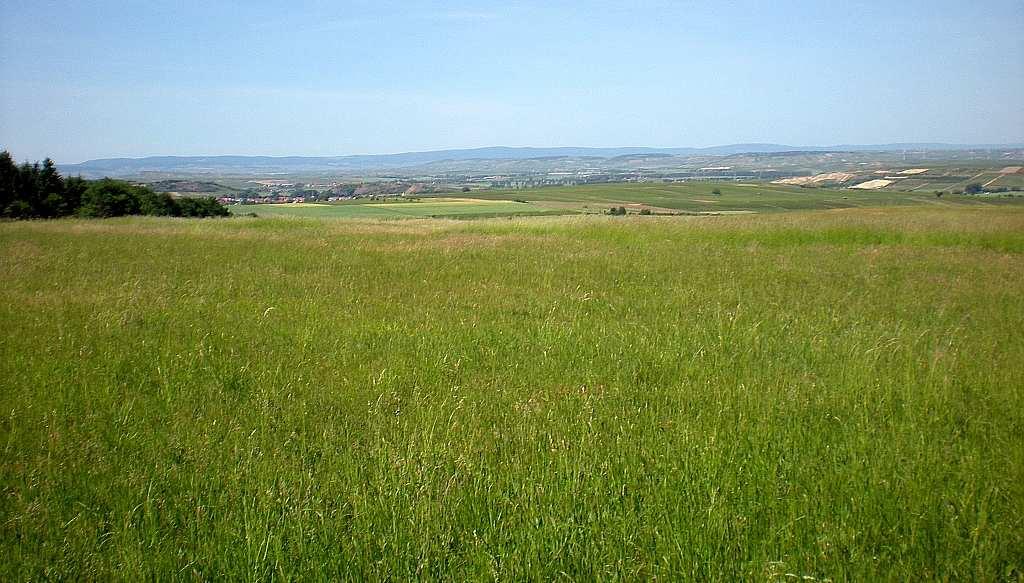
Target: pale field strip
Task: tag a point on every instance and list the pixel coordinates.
(873, 184)
(827, 177)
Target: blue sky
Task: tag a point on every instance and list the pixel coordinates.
(82, 80)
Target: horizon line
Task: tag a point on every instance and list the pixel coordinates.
(797, 148)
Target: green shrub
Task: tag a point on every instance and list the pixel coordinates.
(110, 198)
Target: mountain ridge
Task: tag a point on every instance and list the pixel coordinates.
(366, 162)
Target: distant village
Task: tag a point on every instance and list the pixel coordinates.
(280, 191)
(293, 190)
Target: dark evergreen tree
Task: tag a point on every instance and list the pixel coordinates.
(8, 178)
(38, 191)
(74, 188)
(50, 187)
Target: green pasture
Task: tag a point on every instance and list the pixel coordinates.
(803, 396)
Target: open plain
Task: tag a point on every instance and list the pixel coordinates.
(826, 395)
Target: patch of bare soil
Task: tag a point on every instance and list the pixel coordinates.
(873, 184)
(839, 177)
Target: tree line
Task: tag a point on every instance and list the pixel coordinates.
(38, 191)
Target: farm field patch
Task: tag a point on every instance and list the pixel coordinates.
(656, 198)
(439, 207)
(700, 197)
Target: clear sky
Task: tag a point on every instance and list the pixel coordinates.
(103, 78)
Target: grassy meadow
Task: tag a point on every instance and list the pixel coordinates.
(819, 395)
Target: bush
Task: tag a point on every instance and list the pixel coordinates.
(201, 207)
(110, 198)
(717, 191)
(156, 204)
(973, 188)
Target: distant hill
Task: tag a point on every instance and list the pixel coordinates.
(190, 186)
(377, 162)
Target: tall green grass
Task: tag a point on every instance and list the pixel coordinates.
(826, 395)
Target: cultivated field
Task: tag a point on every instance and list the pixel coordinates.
(425, 208)
(658, 198)
(829, 394)
(700, 197)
